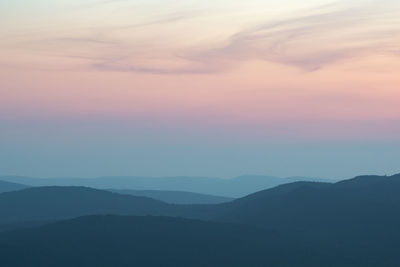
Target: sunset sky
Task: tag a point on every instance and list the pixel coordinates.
(202, 88)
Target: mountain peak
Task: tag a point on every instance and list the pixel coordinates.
(370, 179)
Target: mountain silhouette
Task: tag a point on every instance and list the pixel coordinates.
(233, 188)
(9, 186)
(175, 197)
(302, 203)
(349, 223)
(357, 218)
(53, 203)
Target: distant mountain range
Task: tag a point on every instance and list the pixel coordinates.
(9, 186)
(55, 203)
(349, 223)
(172, 197)
(232, 188)
(175, 197)
(297, 202)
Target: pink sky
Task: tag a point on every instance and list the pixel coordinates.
(223, 71)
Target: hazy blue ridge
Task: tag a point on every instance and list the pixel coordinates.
(232, 188)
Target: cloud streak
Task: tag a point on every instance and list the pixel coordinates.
(314, 41)
(325, 36)
(101, 3)
(310, 40)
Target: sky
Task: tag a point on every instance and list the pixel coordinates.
(201, 88)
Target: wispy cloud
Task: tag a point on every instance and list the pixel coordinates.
(324, 36)
(309, 40)
(101, 3)
(80, 40)
(316, 40)
(164, 19)
(117, 66)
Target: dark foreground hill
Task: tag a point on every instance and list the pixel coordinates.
(151, 241)
(9, 186)
(175, 197)
(356, 220)
(300, 205)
